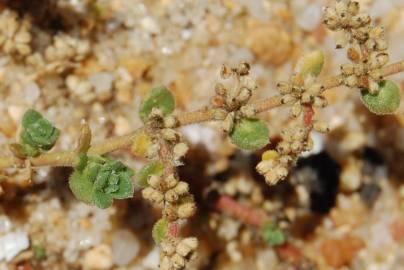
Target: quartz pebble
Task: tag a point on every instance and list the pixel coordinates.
(125, 247)
(98, 258)
(310, 17)
(351, 176)
(13, 243)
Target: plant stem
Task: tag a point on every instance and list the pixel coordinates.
(202, 115)
(233, 208)
(393, 68)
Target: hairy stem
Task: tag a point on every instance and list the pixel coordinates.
(202, 115)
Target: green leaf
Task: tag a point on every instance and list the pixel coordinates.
(37, 134)
(99, 180)
(125, 188)
(39, 252)
(250, 134)
(159, 231)
(160, 98)
(102, 200)
(81, 186)
(386, 101)
(24, 150)
(153, 168)
(272, 234)
(311, 64)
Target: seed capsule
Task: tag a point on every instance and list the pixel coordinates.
(373, 87)
(320, 102)
(381, 44)
(244, 95)
(376, 74)
(288, 99)
(170, 121)
(220, 89)
(178, 261)
(180, 150)
(186, 210)
(182, 188)
(321, 127)
(284, 87)
(297, 109)
(264, 166)
(171, 196)
(243, 69)
(169, 134)
(351, 81)
(171, 181)
(248, 111)
(354, 54)
(154, 181)
(228, 122)
(360, 20)
(225, 72)
(353, 8)
(347, 69)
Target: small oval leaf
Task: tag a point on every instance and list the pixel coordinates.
(160, 98)
(250, 134)
(37, 131)
(272, 234)
(154, 168)
(159, 231)
(386, 101)
(98, 180)
(311, 64)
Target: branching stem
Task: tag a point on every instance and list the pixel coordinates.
(67, 158)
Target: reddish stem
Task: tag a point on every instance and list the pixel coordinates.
(239, 211)
(308, 115)
(173, 229)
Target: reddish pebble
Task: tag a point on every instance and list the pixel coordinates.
(288, 252)
(340, 252)
(397, 229)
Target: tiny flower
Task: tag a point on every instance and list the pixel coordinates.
(180, 149)
(284, 87)
(170, 134)
(186, 210)
(220, 89)
(321, 127)
(181, 188)
(228, 122)
(170, 121)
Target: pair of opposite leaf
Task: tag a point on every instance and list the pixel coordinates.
(248, 134)
(253, 134)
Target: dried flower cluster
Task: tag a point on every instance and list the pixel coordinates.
(275, 165)
(15, 36)
(302, 88)
(230, 103)
(366, 45)
(163, 188)
(177, 252)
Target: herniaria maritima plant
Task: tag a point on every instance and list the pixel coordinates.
(98, 180)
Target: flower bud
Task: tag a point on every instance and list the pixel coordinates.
(180, 149)
(178, 261)
(186, 210)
